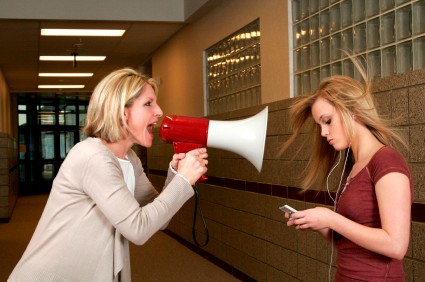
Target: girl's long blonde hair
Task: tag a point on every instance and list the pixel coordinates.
(349, 97)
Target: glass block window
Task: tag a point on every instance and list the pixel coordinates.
(233, 71)
(388, 35)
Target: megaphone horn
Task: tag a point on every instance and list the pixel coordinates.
(246, 137)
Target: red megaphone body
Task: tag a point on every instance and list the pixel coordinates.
(186, 134)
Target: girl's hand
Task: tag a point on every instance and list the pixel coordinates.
(312, 219)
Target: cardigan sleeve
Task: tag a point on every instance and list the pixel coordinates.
(103, 182)
(145, 192)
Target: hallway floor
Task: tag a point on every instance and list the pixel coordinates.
(162, 258)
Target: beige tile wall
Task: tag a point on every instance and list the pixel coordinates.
(9, 177)
(248, 232)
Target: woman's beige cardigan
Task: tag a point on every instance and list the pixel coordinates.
(90, 214)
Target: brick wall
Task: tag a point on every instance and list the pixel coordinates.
(9, 176)
(248, 233)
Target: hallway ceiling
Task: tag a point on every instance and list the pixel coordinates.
(21, 45)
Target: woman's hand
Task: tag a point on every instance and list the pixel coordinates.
(191, 165)
(175, 161)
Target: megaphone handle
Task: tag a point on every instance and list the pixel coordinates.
(202, 178)
(183, 147)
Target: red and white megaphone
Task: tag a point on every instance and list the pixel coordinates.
(244, 137)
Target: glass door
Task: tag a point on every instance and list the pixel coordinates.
(46, 135)
(48, 129)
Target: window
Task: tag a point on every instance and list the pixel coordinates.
(388, 35)
(233, 71)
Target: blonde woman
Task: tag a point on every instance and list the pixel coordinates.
(101, 197)
(370, 222)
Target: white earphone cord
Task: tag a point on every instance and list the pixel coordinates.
(335, 202)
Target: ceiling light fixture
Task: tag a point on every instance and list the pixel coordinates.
(60, 86)
(82, 32)
(69, 74)
(74, 63)
(71, 58)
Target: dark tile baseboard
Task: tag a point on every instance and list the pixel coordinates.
(294, 193)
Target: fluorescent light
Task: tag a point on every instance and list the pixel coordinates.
(71, 58)
(45, 74)
(82, 32)
(61, 86)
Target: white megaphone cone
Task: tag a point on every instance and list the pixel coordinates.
(246, 137)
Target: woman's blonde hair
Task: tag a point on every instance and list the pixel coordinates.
(115, 92)
(350, 99)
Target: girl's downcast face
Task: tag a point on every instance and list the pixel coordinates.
(330, 122)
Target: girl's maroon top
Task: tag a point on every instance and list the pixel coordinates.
(358, 202)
